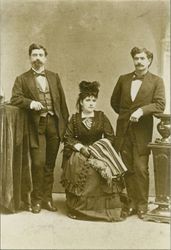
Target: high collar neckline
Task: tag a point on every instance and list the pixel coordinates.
(83, 115)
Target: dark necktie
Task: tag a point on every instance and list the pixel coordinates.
(39, 74)
(135, 77)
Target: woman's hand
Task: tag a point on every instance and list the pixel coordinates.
(84, 151)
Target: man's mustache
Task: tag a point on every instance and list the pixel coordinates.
(139, 64)
(37, 61)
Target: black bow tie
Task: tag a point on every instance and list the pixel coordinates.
(135, 77)
(39, 74)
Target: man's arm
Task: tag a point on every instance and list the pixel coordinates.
(157, 105)
(116, 95)
(63, 105)
(158, 102)
(18, 98)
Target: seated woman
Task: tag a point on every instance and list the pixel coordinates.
(92, 172)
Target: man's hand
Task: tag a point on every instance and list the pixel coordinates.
(36, 105)
(136, 115)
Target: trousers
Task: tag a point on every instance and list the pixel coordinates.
(137, 176)
(43, 159)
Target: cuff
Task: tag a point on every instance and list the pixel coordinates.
(140, 111)
(78, 146)
(31, 104)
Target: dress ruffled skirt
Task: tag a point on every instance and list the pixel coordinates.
(88, 195)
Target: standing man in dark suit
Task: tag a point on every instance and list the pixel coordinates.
(40, 93)
(137, 96)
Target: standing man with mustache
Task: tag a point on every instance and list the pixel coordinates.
(40, 93)
(137, 96)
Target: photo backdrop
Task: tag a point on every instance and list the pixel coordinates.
(85, 40)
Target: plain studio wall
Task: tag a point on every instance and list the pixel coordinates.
(86, 40)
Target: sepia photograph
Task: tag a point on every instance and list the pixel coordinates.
(85, 124)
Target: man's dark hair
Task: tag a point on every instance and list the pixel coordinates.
(37, 46)
(137, 50)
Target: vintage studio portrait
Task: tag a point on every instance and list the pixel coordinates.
(85, 124)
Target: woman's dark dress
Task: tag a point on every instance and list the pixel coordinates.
(87, 192)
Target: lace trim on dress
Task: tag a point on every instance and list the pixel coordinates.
(88, 122)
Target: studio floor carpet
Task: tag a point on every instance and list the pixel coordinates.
(49, 230)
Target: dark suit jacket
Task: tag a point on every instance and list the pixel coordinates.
(150, 97)
(24, 92)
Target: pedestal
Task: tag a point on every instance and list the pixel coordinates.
(161, 159)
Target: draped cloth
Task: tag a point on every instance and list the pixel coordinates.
(103, 150)
(15, 165)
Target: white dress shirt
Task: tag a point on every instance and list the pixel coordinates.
(135, 86)
(41, 80)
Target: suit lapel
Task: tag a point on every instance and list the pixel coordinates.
(52, 84)
(143, 88)
(32, 85)
(128, 85)
(52, 81)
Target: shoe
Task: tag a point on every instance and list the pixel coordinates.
(72, 216)
(27, 207)
(132, 211)
(128, 212)
(141, 214)
(36, 208)
(49, 206)
(124, 214)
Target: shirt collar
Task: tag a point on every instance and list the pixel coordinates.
(38, 72)
(140, 77)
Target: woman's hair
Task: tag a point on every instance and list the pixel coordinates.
(87, 89)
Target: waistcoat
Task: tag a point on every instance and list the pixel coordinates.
(45, 99)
